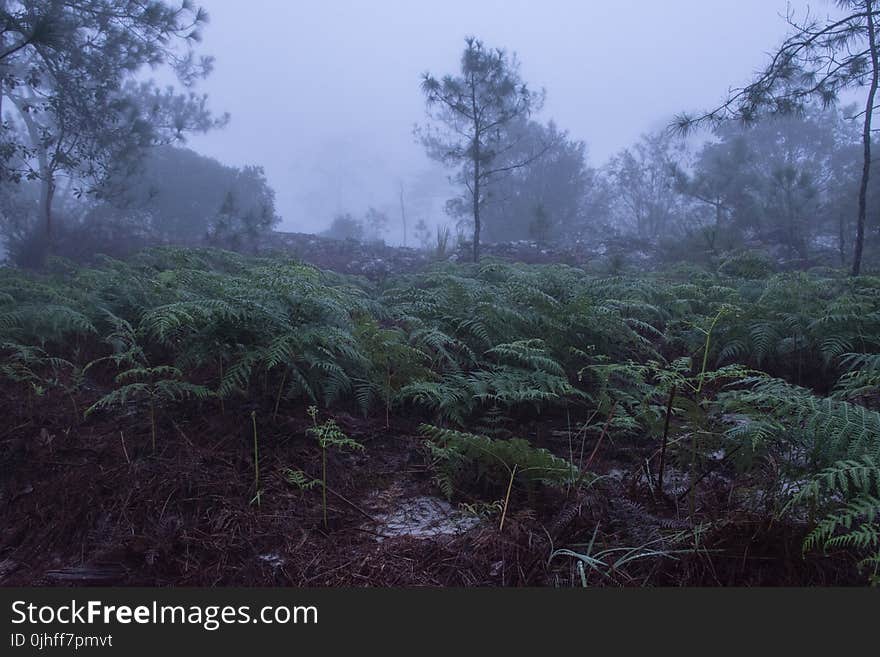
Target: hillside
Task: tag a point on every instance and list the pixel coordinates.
(199, 417)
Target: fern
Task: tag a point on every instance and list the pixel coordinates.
(828, 428)
(465, 460)
(154, 386)
(329, 436)
(300, 480)
(850, 491)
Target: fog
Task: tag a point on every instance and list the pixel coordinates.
(325, 95)
(389, 293)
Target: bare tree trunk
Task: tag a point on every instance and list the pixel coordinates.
(1, 102)
(477, 201)
(403, 214)
(46, 172)
(866, 140)
(2, 49)
(46, 200)
(476, 156)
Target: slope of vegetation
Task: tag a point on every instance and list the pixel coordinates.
(684, 426)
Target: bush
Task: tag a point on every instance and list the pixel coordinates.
(749, 264)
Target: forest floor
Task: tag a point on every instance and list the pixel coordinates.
(89, 503)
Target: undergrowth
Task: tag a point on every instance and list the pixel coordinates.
(745, 368)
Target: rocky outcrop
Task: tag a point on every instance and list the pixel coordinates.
(377, 260)
(373, 260)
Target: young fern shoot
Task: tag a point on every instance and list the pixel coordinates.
(328, 435)
(153, 386)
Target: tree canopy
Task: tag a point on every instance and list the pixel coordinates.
(71, 101)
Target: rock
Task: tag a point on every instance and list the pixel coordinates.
(377, 260)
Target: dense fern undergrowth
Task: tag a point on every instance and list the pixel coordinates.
(771, 378)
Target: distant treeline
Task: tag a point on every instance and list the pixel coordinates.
(90, 158)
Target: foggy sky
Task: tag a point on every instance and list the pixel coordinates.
(325, 94)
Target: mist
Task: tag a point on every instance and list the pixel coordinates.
(462, 294)
(325, 95)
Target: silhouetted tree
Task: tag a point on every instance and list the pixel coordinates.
(247, 212)
(556, 182)
(423, 233)
(375, 224)
(645, 185)
(345, 227)
(775, 181)
(723, 181)
(471, 114)
(68, 70)
(540, 225)
(818, 61)
(180, 193)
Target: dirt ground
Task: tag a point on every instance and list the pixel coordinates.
(86, 502)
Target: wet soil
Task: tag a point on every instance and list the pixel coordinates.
(88, 502)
